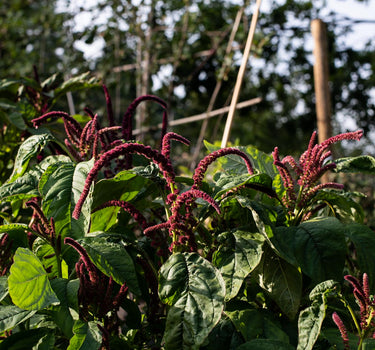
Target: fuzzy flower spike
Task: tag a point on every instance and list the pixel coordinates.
(300, 177)
(209, 159)
(123, 149)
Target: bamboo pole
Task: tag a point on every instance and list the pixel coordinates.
(201, 116)
(240, 75)
(321, 79)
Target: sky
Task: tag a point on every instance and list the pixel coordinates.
(352, 9)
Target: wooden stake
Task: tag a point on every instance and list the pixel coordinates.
(321, 78)
(240, 75)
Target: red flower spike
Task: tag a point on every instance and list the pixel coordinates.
(166, 143)
(344, 333)
(127, 126)
(89, 112)
(123, 149)
(91, 268)
(108, 101)
(209, 159)
(57, 114)
(366, 287)
(191, 194)
(77, 156)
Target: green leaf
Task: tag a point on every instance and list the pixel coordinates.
(323, 288)
(28, 282)
(311, 319)
(359, 164)
(61, 186)
(309, 324)
(27, 339)
(195, 290)
(368, 344)
(249, 322)
(18, 234)
(125, 186)
(239, 254)
(223, 337)
(46, 254)
(86, 336)
(320, 248)
(3, 287)
(113, 260)
(259, 182)
(104, 219)
(281, 280)
(363, 239)
(342, 205)
(265, 344)
(28, 149)
(257, 323)
(333, 336)
(79, 82)
(11, 316)
(261, 161)
(133, 315)
(47, 342)
(24, 187)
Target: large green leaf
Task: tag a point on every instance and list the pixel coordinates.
(309, 325)
(311, 319)
(113, 260)
(125, 186)
(61, 186)
(23, 187)
(104, 219)
(79, 82)
(260, 182)
(320, 248)
(359, 164)
(11, 316)
(333, 336)
(281, 280)
(224, 336)
(342, 205)
(28, 282)
(38, 339)
(261, 161)
(3, 287)
(239, 253)
(363, 239)
(26, 186)
(195, 290)
(17, 233)
(255, 323)
(45, 252)
(28, 149)
(86, 336)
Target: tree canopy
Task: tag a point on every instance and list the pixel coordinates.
(178, 51)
